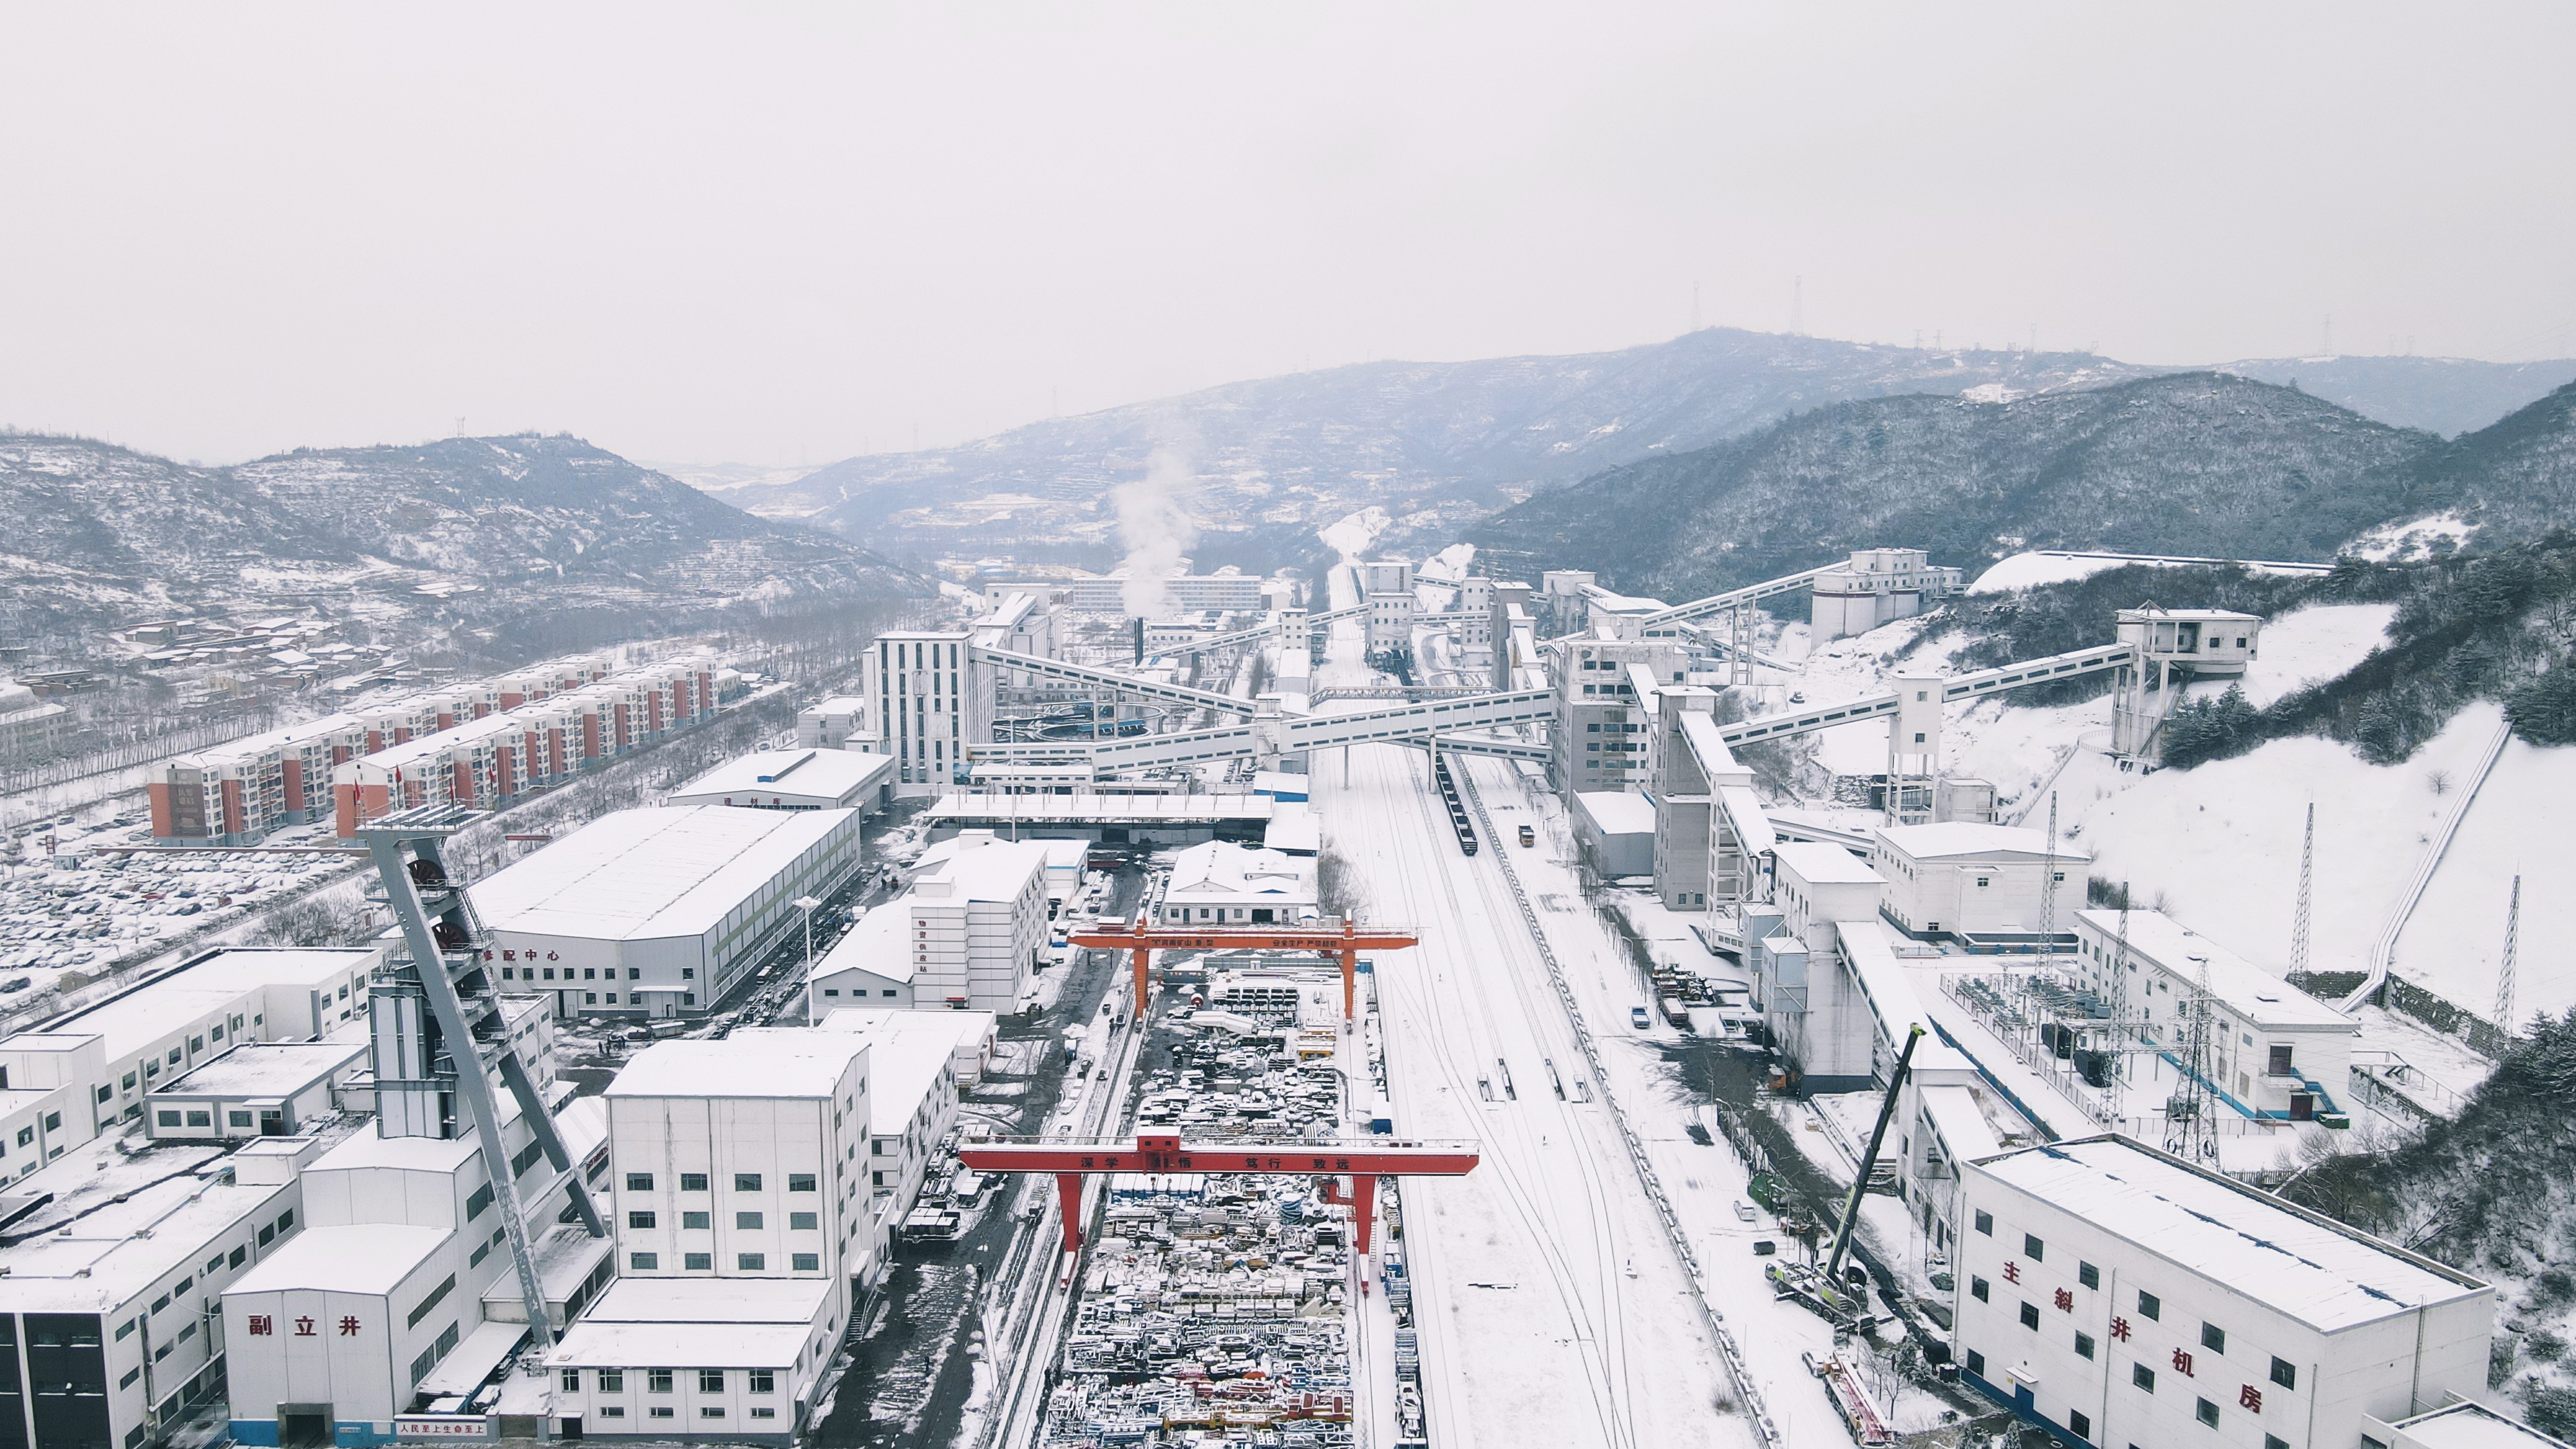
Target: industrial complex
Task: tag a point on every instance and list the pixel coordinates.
(1279, 992)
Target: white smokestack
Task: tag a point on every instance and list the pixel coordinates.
(1154, 523)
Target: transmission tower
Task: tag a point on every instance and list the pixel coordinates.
(2188, 1131)
(2048, 882)
(2504, 972)
(1739, 662)
(2119, 992)
(2307, 881)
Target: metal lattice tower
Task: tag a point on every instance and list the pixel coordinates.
(440, 1037)
(2119, 992)
(2504, 971)
(2188, 1130)
(2048, 882)
(1739, 663)
(2307, 894)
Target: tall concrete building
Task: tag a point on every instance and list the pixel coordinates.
(928, 700)
(1605, 692)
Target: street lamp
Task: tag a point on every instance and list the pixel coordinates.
(809, 905)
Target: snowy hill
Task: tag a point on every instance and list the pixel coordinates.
(2199, 464)
(509, 529)
(1435, 444)
(1439, 445)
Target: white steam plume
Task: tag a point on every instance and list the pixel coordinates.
(1154, 523)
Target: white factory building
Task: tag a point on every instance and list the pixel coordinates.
(1386, 587)
(659, 912)
(757, 1183)
(88, 1069)
(798, 779)
(1877, 586)
(2275, 1051)
(915, 1076)
(871, 965)
(1979, 884)
(112, 1292)
(977, 912)
(1603, 729)
(2116, 1295)
(1818, 1016)
(400, 1295)
(1224, 883)
(831, 724)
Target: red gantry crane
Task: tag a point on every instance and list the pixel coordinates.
(1346, 940)
(1363, 1162)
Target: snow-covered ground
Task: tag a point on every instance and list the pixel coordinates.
(2218, 844)
(1534, 1332)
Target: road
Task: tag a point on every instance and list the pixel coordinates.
(919, 1376)
(1553, 1312)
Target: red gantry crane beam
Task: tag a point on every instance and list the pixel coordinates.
(1363, 1162)
(1346, 940)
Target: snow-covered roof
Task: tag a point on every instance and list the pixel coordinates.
(1299, 834)
(710, 1300)
(651, 873)
(1955, 839)
(1617, 812)
(2469, 1425)
(796, 1064)
(360, 1258)
(140, 1017)
(1819, 864)
(110, 1254)
(877, 945)
(1222, 870)
(841, 776)
(2243, 987)
(2295, 1262)
(976, 867)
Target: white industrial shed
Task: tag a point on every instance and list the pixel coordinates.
(658, 912)
(871, 966)
(814, 779)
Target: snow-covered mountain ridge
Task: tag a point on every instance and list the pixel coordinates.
(464, 528)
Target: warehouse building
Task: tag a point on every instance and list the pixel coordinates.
(799, 779)
(659, 912)
(2114, 1295)
(1981, 885)
(1616, 829)
(1224, 882)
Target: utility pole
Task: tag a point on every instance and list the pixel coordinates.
(2307, 881)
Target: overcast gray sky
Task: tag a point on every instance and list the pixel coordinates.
(782, 234)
